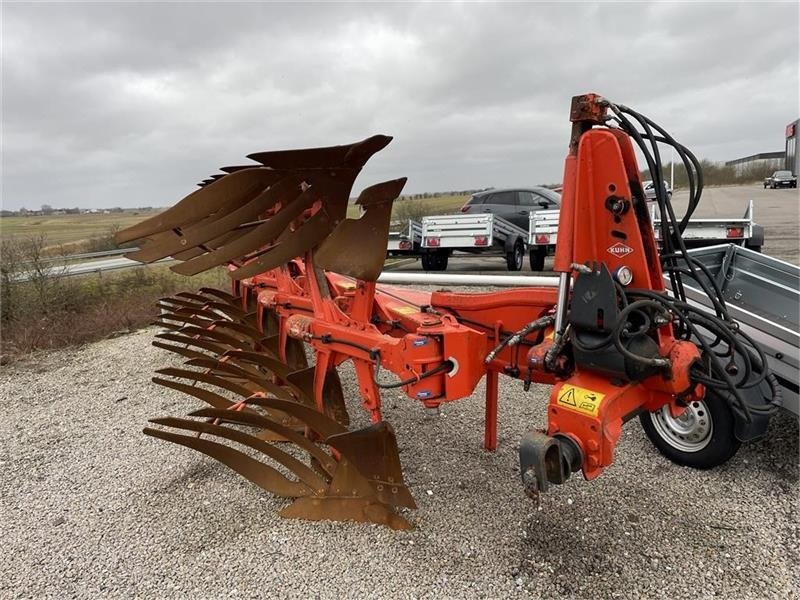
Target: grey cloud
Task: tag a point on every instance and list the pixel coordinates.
(131, 104)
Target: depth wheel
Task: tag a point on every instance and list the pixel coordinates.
(702, 437)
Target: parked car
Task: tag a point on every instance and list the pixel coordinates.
(780, 179)
(513, 204)
(650, 190)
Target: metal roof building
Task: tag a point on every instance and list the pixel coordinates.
(792, 130)
(772, 159)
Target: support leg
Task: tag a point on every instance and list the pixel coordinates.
(490, 428)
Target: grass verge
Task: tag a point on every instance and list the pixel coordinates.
(52, 311)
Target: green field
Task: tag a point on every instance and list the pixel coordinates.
(73, 230)
(67, 229)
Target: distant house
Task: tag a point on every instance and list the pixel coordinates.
(771, 160)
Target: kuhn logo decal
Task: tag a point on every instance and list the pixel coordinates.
(619, 249)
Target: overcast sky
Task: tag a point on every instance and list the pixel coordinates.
(131, 104)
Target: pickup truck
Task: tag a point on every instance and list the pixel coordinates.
(780, 179)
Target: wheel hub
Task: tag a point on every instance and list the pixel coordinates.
(690, 431)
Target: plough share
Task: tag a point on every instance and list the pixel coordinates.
(610, 339)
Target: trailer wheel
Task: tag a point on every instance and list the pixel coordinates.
(516, 257)
(538, 254)
(702, 437)
(756, 238)
(434, 261)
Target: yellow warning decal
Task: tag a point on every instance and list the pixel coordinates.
(580, 399)
(405, 310)
(347, 285)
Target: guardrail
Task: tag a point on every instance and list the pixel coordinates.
(86, 268)
(85, 255)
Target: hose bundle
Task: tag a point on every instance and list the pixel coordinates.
(731, 361)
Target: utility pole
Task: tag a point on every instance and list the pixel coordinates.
(672, 169)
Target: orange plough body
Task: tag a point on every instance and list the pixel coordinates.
(303, 274)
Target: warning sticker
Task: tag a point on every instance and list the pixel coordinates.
(580, 399)
(405, 310)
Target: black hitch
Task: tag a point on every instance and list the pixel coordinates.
(544, 460)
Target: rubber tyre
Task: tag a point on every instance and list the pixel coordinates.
(434, 261)
(429, 262)
(721, 448)
(516, 257)
(754, 248)
(537, 258)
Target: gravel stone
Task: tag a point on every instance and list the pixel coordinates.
(91, 508)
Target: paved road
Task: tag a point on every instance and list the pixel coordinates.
(777, 210)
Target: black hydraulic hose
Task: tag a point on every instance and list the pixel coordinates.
(744, 358)
(654, 168)
(666, 206)
(519, 335)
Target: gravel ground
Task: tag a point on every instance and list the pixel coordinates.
(92, 508)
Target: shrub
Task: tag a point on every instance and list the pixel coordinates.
(42, 308)
(410, 210)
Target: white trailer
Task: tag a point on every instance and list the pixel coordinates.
(405, 240)
(481, 233)
(699, 233)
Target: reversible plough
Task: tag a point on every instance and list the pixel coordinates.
(609, 339)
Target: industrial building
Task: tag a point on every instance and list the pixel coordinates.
(772, 160)
(791, 163)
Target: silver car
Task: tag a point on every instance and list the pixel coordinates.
(650, 190)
